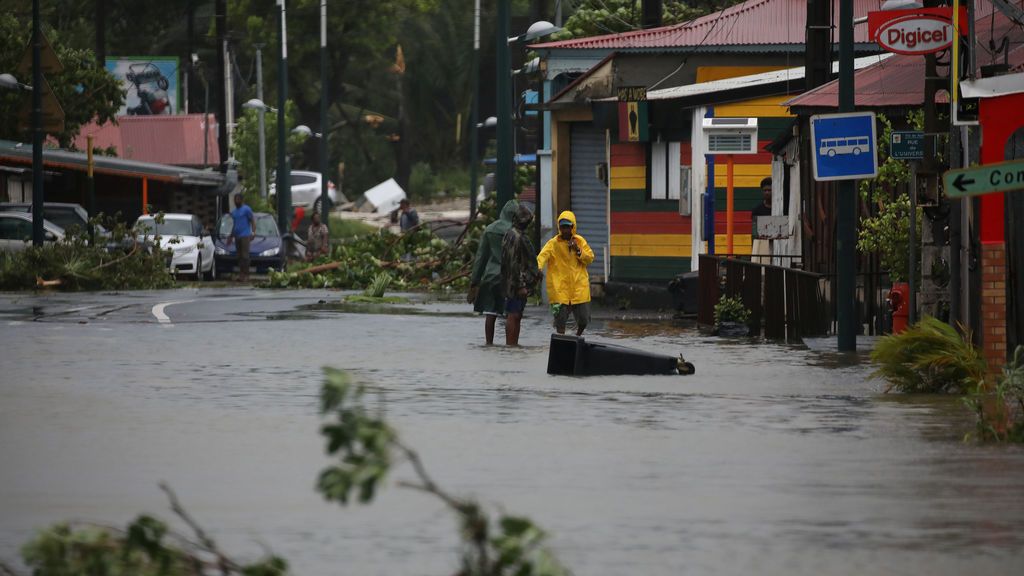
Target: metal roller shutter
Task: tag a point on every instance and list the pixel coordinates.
(588, 195)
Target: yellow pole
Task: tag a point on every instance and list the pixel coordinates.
(729, 197)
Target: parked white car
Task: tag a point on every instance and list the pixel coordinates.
(16, 231)
(183, 235)
(306, 190)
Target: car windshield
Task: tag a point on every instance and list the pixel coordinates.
(167, 228)
(265, 225)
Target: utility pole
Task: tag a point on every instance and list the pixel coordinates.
(284, 191)
(229, 98)
(38, 195)
(474, 111)
(220, 22)
(846, 202)
(325, 217)
(261, 113)
(505, 180)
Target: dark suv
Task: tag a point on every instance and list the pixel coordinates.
(62, 214)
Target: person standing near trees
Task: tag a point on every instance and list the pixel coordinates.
(243, 226)
(318, 239)
(518, 272)
(567, 256)
(486, 289)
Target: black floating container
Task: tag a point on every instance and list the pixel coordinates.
(573, 356)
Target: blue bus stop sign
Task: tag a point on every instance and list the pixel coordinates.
(844, 146)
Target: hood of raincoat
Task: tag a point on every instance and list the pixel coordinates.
(487, 265)
(567, 215)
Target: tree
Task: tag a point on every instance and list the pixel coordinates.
(85, 91)
(245, 146)
(599, 17)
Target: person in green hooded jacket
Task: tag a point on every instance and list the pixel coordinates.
(486, 289)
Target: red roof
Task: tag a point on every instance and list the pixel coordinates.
(754, 22)
(176, 140)
(898, 81)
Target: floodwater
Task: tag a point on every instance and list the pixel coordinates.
(772, 459)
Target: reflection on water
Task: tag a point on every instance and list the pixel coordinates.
(772, 459)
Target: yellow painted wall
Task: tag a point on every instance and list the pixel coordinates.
(677, 245)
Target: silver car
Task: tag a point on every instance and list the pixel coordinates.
(306, 190)
(16, 231)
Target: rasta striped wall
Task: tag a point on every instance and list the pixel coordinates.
(649, 240)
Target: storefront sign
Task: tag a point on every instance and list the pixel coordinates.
(915, 31)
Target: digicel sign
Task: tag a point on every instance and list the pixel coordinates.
(915, 31)
(916, 35)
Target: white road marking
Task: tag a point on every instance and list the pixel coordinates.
(158, 310)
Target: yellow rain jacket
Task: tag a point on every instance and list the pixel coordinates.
(567, 278)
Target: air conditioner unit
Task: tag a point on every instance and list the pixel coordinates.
(730, 135)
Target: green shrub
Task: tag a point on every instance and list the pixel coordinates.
(930, 356)
(1000, 411)
(731, 309)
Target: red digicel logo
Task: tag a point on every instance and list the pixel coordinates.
(916, 35)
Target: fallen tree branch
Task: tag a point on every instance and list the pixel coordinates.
(47, 283)
(226, 565)
(319, 268)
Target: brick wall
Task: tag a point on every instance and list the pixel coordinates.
(993, 305)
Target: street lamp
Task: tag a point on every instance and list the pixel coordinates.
(11, 83)
(258, 105)
(505, 151)
(304, 131)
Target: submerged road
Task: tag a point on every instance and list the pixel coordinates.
(772, 459)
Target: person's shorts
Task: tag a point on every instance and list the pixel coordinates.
(490, 300)
(580, 313)
(515, 305)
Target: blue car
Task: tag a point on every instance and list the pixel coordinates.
(265, 252)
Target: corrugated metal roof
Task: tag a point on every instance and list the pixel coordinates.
(726, 84)
(21, 153)
(899, 81)
(754, 22)
(176, 139)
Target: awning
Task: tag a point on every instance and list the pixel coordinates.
(19, 153)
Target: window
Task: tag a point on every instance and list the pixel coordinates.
(665, 180)
(15, 229)
(300, 179)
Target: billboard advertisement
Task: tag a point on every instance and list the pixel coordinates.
(151, 84)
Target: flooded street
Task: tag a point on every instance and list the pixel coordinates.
(772, 459)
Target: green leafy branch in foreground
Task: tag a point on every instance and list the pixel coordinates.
(366, 447)
(146, 547)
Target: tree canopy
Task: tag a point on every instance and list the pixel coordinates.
(83, 90)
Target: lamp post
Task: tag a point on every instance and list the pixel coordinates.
(258, 105)
(262, 113)
(505, 181)
(37, 129)
(325, 218)
(284, 191)
(474, 110)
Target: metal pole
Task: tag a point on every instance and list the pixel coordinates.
(261, 116)
(474, 111)
(284, 202)
(325, 217)
(846, 202)
(37, 128)
(505, 168)
(229, 99)
(912, 275)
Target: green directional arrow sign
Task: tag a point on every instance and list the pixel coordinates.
(988, 179)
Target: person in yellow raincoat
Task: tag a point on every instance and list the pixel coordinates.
(567, 256)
